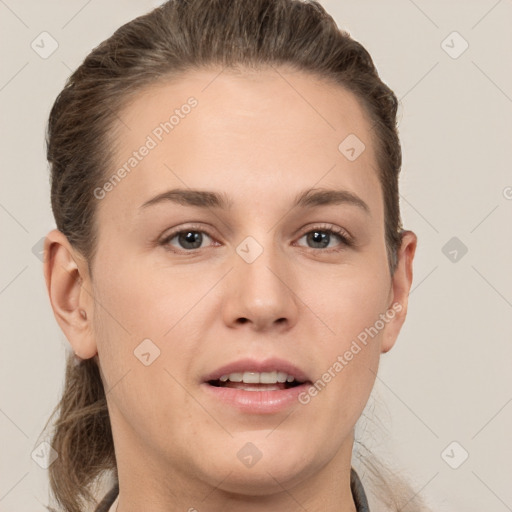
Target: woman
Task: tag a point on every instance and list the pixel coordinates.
(229, 261)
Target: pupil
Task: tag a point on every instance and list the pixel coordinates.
(323, 238)
(191, 237)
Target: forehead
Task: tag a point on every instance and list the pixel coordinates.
(249, 133)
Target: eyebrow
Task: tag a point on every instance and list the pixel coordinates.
(208, 199)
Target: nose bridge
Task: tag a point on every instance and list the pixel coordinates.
(257, 263)
(259, 285)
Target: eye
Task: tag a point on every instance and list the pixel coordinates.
(187, 239)
(322, 236)
(192, 238)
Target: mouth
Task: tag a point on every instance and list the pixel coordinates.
(256, 387)
(257, 381)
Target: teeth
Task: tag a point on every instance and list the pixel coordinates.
(251, 378)
(268, 377)
(258, 378)
(281, 377)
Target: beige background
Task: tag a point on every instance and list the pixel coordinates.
(448, 378)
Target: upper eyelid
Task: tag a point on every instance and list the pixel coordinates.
(321, 227)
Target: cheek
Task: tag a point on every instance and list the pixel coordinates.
(137, 359)
(139, 302)
(349, 302)
(350, 307)
(138, 318)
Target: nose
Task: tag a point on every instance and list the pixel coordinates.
(260, 292)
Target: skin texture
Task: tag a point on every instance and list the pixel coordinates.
(261, 139)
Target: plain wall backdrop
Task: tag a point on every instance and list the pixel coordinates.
(444, 391)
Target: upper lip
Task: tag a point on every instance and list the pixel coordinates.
(253, 365)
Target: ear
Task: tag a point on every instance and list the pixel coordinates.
(68, 284)
(400, 286)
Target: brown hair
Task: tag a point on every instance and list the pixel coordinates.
(178, 36)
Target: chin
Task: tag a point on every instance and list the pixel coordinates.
(265, 475)
(261, 482)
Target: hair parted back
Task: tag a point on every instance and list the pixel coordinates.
(178, 36)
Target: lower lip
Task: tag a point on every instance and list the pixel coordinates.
(256, 402)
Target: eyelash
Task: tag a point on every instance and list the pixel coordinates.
(346, 240)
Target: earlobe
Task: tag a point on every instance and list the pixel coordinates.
(401, 285)
(66, 277)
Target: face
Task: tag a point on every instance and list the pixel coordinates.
(245, 242)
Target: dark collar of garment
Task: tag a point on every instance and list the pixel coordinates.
(355, 486)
